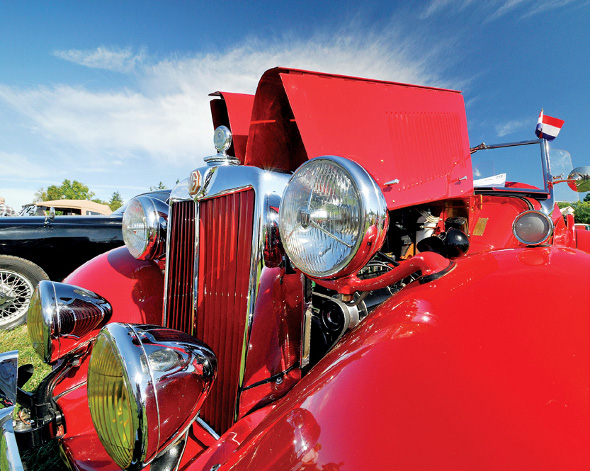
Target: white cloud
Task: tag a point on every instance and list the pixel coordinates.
(513, 126)
(118, 60)
(168, 118)
(14, 165)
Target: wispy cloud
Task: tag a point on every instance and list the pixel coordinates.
(15, 165)
(167, 115)
(495, 9)
(118, 60)
(512, 127)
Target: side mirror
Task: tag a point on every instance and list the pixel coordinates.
(51, 216)
(579, 179)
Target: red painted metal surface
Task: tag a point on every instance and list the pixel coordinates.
(225, 242)
(491, 219)
(583, 240)
(417, 135)
(234, 111)
(275, 340)
(135, 290)
(449, 375)
(181, 267)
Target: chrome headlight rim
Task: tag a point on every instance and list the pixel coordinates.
(43, 321)
(545, 235)
(149, 359)
(154, 217)
(61, 317)
(374, 218)
(121, 338)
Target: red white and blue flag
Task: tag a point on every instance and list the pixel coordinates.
(548, 127)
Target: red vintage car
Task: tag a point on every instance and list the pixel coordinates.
(345, 285)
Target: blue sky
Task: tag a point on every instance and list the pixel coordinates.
(114, 94)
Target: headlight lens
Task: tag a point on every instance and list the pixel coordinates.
(145, 387)
(63, 316)
(333, 217)
(144, 227)
(532, 227)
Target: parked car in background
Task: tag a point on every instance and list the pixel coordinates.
(66, 208)
(34, 248)
(338, 294)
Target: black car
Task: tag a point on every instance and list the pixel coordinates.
(35, 248)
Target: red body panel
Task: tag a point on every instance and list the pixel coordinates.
(417, 135)
(236, 116)
(134, 288)
(440, 378)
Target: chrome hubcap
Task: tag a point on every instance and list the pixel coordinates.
(15, 294)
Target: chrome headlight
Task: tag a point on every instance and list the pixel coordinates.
(333, 217)
(144, 227)
(145, 387)
(62, 316)
(532, 227)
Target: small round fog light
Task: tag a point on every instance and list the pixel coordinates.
(532, 227)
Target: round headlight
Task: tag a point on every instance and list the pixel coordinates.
(333, 217)
(532, 227)
(144, 227)
(62, 316)
(145, 387)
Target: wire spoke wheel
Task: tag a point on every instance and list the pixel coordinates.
(15, 294)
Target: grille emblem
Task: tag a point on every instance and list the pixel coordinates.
(194, 182)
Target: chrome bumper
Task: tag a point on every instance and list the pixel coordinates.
(9, 454)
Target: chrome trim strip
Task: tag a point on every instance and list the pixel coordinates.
(69, 390)
(207, 428)
(223, 180)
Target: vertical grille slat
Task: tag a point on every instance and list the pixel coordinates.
(224, 259)
(181, 261)
(225, 241)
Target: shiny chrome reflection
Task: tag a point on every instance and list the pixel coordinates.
(145, 225)
(145, 387)
(62, 317)
(532, 227)
(579, 179)
(333, 217)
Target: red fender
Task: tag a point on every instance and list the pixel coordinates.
(487, 367)
(135, 290)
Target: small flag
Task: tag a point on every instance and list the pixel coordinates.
(548, 127)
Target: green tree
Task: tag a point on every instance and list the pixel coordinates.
(582, 212)
(68, 190)
(587, 198)
(116, 201)
(161, 186)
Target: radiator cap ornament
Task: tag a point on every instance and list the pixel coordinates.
(222, 139)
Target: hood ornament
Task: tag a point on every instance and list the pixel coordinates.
(222, 139)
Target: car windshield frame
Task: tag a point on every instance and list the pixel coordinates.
(542, 193)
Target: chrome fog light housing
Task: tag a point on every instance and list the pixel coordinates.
(146, 385)
(532, 227)
(62, 316)
(333, 217)
(144, 227)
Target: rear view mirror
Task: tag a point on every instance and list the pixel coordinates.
(579, 179)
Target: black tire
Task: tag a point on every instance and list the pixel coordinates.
(18, 280)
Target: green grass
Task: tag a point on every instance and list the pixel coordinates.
(46, 457)
(18, 339)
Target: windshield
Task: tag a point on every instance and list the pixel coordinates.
(518, 167)
(515, 167)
